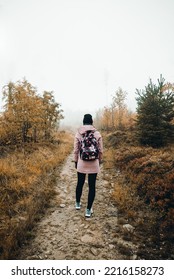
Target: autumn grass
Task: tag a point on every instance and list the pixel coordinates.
(144, 192)
(27, 178)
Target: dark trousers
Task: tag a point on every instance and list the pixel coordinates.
(91, 184)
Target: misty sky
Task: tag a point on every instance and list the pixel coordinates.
(83, 50)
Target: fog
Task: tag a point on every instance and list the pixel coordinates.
(83, 50)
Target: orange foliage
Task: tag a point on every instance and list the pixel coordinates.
(26, 187)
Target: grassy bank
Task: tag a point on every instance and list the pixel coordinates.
(27, 181)
(144, 192)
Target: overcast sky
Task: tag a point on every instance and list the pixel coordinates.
(83, 50)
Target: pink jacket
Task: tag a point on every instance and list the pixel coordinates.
(87, 167)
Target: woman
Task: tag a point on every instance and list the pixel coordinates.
(86, 165)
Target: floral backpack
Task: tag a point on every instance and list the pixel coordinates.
(89, 146)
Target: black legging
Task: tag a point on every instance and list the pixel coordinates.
(91, 184)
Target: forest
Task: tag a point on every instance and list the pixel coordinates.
(137, 145)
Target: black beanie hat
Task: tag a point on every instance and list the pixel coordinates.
(87, 119)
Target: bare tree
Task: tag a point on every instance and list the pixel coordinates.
(118, 103)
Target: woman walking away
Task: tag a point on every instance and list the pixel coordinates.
(88, 149)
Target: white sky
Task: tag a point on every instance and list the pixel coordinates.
(84, 50)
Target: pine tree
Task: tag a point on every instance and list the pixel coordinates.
(155, 112)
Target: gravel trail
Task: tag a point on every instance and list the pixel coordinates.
(65, 234)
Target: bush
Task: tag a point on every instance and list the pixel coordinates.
(149, 175)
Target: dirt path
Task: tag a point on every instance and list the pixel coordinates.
(65, 233)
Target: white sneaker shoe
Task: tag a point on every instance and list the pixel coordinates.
(88, 213)
(78, 205)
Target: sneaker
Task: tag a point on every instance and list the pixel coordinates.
(88, 213)
(78, 205)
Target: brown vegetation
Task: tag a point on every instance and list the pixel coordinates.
(30, 150)
(144, 191)
(27, 183)
(28, 116)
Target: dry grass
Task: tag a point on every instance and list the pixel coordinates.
(108, 158)
(144, 193)
(27, 179)
(124, 198)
